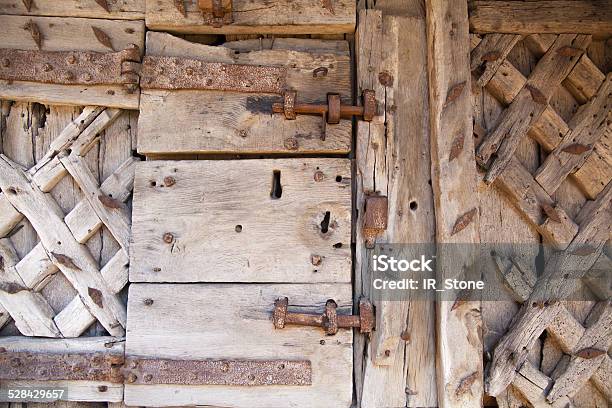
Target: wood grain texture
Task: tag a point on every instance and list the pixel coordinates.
(459, 366)
(231, 122)
(234, 321)
(225, 225)
(84, 391)
(70, 34)
(542, 16)
(400, 135)
(257, 17)
(121, 10)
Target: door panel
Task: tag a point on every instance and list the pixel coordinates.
(217, 121)
(215, 321)
(285, 220)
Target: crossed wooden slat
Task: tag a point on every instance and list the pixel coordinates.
(62, 238)
(579, 149)
(586, 346)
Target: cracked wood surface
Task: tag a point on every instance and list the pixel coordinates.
(459, 366)
(117, 10)
(389, 372)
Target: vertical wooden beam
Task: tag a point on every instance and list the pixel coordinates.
(392, 154)
(453, 168)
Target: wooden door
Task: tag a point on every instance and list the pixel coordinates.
(216, 242)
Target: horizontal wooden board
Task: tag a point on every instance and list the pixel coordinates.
(117, 9)
(70, 34)
(257, 17)
(227, 227)
(75, 390)
(211, 321)
(230, 122)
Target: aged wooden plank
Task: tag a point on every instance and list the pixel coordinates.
(242, 221)
(588, 126)
(542, 16)
(595, 222)
(529, 104)
(257, 17)
(70, 34)
(584, 80)
(123, 10)
(490, 54)
(232, 122)
(32, 314)
(46, 217)
(36, 267)
(384, 146)
(459, 347)
(77, 390)
(233, 321)
(602, 378)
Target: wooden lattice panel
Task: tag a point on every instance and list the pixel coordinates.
(62, 237)
(578, 149)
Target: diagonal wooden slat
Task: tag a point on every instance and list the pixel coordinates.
(32, 314)
(490, 54)
(73, 259)
(588, 126)
(530, 103)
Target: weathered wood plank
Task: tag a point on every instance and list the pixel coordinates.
(529, 104)
(70, 34)
(123, 9)
(47, 219)
(77, 390)
(542, 16)
(232, 122)
(36, 267)
(459, 366)
(384, 147)
(233, 321)
(257, 17)
(226, 224)
(490, 54)
(602, 378)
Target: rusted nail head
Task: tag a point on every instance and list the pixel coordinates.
(148, 302)
(156, 269)
(71, 59)
(225, 367)
(47, 67)
(168, 238)
(320, 72)
(291, 143)
(169, 181)
(148, 377)
(316, 260)
(319, 176)
(15, 362)
(189, 71)
(6, 62)
(87, 77)
(387, 353)
(134, 364)
(131, 378)
(102, 388)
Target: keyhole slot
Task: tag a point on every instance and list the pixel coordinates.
(325, 222)
(277, 188)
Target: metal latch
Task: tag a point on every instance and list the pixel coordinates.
(72, 67)
(375, 218)
(217, 12)
(332, 112)
(329, 320)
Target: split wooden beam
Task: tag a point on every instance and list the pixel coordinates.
(542, 16)
(498, 148)
(542, 307)
(390, 375)
(453, 175)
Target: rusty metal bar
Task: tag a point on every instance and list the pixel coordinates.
(184, 73)
(328, 320)
(218, 372)
(72, 67)
(375, 219)
(62, 366)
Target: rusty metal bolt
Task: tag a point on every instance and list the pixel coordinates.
(316, 260)
(102, 388)
(47, 67)
(87, 77)
(189, 71)
(169, 181)
(68, 76)
(225, 367)
(291, 143)
(387, 353)
(148, 302)
(131, 378)
(71, 59)
(148, 377)
(15, 362)
(320, 72)
(156, 269)
(6, 62)
(243, 133)
(319, 176)
(168, 238)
